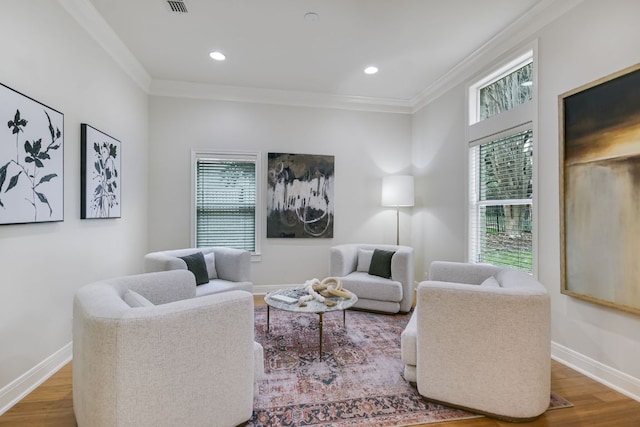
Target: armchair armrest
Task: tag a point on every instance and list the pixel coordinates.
(402, 271)
(343, 260)
(233, 264)
(159, 261)
(460, 272)
(159, 287)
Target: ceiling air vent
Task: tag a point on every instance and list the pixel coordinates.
(178, 6)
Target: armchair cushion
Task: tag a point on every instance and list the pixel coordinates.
(364, 260)
(196, 264)
(490, 282)
(134, 299)
(210, 260)
(381, 263)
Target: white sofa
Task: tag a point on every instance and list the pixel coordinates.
(231, 267)
(175, 360)
(351, 263)
(479, 339)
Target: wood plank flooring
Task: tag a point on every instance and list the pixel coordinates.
(51, 404)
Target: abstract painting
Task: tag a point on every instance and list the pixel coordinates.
(600, 190)
(100, 174)
(31, 160)
(300, 195)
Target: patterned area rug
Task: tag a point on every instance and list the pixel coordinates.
(358, 381)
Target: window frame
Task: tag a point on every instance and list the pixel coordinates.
(250, 156)
(479, 132)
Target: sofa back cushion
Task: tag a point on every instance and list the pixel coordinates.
(381, 263)
(210, 260)
(197, 265)
(491, 282)
(364, 259)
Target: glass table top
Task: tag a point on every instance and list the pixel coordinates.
(312, 306)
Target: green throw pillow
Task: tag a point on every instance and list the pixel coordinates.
(196, 265)
(381, 263)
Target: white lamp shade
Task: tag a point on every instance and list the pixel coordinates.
(397, 190)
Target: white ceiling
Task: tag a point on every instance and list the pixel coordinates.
(269, 44)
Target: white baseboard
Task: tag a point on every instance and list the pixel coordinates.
(612, 378)
(16, 390)
(264, 289)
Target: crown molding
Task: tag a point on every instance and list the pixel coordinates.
(88, 17)
(522, 29)
(178, 89)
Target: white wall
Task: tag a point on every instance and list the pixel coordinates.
(439, 166)
(366, 147)
(48, 57)
(589, 42)
(594, 40)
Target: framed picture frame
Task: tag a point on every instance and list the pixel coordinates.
(600, 190)
(31, 160)
(100, 170)
(300, 202)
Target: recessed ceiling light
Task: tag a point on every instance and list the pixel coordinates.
(218, 56)
(371, 70)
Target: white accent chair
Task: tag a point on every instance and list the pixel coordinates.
(351, 263)
(479, 339)
(231, 267)
(174, 360)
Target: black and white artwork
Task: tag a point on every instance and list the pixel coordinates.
(31, 160)
(300, 195)
(100, 169)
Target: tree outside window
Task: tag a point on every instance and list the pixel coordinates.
(501, 169)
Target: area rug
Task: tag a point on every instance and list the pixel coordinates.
(357, 382)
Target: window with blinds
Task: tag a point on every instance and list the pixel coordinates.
(225, 197)
(501, 166)
(502, 198)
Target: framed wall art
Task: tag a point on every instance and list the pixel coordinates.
(300, 195)
(100, 174)
(600, 190)
(31, 160)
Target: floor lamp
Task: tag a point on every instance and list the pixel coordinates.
(397, 192)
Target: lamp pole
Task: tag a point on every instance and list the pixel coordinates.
(397, 225)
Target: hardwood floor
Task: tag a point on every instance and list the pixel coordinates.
(51, 405)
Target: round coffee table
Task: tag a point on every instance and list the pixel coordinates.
(287, 299)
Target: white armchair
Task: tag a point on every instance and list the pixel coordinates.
(174, 360)
(228, 269)
(352, 263)
(479, 339)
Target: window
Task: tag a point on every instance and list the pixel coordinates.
(501, 166)
(225, 199)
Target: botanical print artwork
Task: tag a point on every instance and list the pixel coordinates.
(31, 160)
(601, 166)
(100, 174)
(300, 195)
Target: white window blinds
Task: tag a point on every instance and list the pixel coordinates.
(226, 203)
(501, 201)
